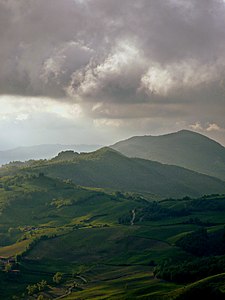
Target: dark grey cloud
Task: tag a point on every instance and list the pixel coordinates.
(118, 59)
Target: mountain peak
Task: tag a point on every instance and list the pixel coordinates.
(65, 155)
(184, 148)
(105, 151)
(182, 132)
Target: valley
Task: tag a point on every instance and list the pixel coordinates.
(52, 226)
(101, 225)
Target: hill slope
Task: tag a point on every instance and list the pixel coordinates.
(208, 288)
(108, 168)
(40, 152)
(183, 148)
(55, 226)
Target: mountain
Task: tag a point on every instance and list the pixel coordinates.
(107, 168)
(183, 148)
(40, 152)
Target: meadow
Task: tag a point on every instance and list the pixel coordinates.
(104, 243)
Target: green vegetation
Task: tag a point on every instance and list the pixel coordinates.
(185, 148)
(57, 278)
(16, 155)
(200, 243)
(59, 239)
(35, 288)
(107, 168)
(191, 270)
(209, 288)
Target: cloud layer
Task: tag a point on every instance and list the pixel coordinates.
(119, 60)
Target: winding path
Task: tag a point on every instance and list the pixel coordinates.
(133, 217)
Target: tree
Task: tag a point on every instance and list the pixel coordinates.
(41, 285)
(8, 267)
(196, 243)
(32, 289)
(57, 278)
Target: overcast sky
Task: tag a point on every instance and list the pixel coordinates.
(97, 71)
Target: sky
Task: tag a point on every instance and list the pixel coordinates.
(98, 71)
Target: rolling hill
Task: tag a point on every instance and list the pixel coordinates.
(107, 168)
(208, 288)
(184, 148)
(107, 245)
(40, 152)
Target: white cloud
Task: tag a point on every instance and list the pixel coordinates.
(196, 126)
(64, 59)
(97, 76)
(213, 127)
(161, 79)
(206, 127)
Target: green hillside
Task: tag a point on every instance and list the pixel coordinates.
(40, 152)
(46, 202)
(212, 287)
(107, 168)
(129, 234)
(184, 148)
(151, 288)
(105, 245)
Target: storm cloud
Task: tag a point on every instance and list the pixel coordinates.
(119, 60)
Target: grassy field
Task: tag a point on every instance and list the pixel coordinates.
(14, 249)
(57, 226)
(124, 283)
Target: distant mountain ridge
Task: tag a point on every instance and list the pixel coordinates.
(107, 168)
(184, 148)
(44, 151)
